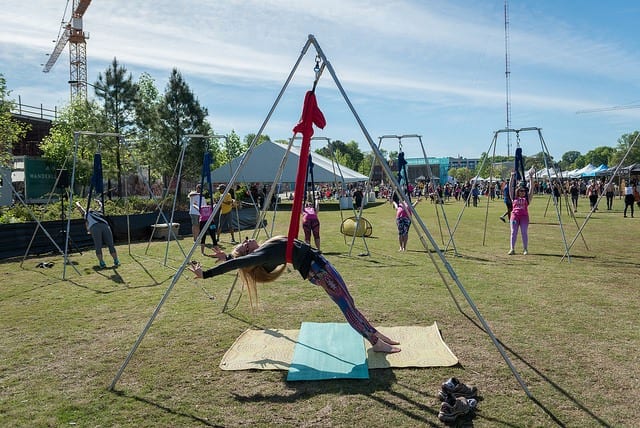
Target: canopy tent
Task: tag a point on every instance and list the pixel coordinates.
(571, 174)
(547, 173)
(266, 159)
(595, 171)
(633, 168)
(582, 171)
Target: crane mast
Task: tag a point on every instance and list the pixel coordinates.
(76, 37)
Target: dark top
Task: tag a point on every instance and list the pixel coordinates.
(270, 255)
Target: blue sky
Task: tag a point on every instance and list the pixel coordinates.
(433, 68)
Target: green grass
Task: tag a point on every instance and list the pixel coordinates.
(569, 327)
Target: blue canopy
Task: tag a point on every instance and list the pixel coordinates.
(595, 171)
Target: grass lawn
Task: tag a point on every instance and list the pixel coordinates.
(570, 327)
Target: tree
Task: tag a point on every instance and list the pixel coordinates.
(180, 114)
(568, 159)
(347, 154)
(462, 175)
(11, 131)
(233, 148)
(624, 143)
(118, 92)
(146, 132)
(600, 155)
(248, 139)
(57, 147)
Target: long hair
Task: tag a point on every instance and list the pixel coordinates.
(251, 275)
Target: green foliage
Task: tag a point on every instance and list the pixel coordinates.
(118, 93)
(568, 160)
(600, 155)
(462, 175)
(248, 139)
(234, 147)
(347, 154)
(180, 114)
(629, 146)
(133, 205)
(58, 146)
(11, 131)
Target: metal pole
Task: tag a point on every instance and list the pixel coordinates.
(188, 257)
(422, 225)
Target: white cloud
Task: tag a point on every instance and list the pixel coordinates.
(433, 58)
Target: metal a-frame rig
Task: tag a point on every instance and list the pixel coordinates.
(425, 237)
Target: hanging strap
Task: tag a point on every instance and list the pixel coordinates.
(96, 180)
(206, 175)
(313, 184)
(519, 165)
(311, 115)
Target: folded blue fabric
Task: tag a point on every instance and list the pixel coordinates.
(328, 351)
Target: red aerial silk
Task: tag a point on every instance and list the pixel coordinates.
(311, 115)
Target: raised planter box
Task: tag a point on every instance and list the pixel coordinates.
(15, 237)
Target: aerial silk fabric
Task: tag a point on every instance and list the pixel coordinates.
(96, 178)
(519, 164)
(311, 115)
(206, 175)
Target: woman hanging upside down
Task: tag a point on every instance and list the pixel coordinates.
(266, 262)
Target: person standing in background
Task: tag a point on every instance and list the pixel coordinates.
(608, 192)
(630, 193)
(574, 191)
(195, 201)
(225, 214)
(520, 198)
(311, 223)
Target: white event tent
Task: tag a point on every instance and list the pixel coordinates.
(265, 162)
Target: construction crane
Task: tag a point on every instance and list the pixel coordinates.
(73, 34)
(597, 110)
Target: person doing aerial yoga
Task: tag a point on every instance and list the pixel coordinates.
(403, 220)
(95, 221)
(520, 199)
(266, 262)
(98, 228)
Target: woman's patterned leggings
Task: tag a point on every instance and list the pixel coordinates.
(323, 274)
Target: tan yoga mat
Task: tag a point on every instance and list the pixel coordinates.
(421, 347)
(273, 349)
(261, 350)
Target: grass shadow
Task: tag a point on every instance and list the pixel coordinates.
(546, 379)
(196, 419)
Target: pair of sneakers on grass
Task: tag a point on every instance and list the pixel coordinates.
(458, 401)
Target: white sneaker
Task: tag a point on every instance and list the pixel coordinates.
(525, 252)
(511, 252)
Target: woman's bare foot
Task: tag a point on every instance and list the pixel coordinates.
(386, 339)
(382, 346)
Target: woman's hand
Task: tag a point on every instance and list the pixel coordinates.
(219, 254)
(196, 268)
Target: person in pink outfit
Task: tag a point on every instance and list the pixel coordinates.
(403, 220)
(520, 200)
(311, 223)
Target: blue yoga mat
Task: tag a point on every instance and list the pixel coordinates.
(328, 351)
